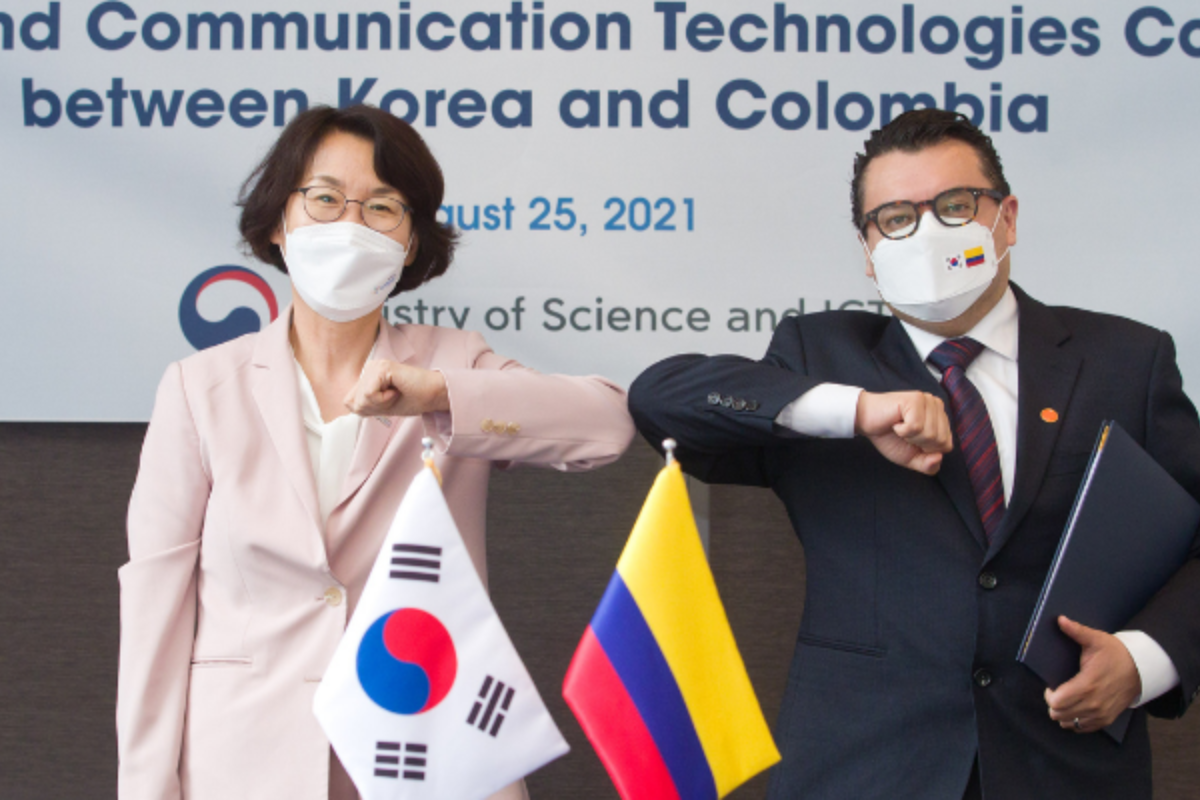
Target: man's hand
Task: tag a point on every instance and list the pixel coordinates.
(387, 388)
(1107, 682)
(909, 428)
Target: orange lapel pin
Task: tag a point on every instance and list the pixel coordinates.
(1049, 415)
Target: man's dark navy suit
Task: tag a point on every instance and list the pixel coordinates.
(905, 665)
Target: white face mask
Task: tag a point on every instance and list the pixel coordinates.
(938, 272)
(343, 270)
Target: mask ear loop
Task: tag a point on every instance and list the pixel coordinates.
(283, 225)
(407, 248)
(863, 242)
(412, 234)
(428, 266)
(993, 233)
(874, 274)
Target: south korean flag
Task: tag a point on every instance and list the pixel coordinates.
(426, 696)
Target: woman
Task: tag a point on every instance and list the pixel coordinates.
(261, 501)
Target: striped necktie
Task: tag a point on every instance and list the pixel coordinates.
(972, 428)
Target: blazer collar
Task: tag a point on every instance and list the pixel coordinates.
(277, 395)
(1047, 375)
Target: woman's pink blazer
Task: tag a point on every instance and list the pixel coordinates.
(234, 598)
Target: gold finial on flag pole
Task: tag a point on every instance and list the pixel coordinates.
(669, 450)
(427, 457)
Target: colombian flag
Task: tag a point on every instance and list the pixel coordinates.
(974, 257)
(657, 681)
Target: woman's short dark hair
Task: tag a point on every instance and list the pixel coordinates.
(916, 130)
(402, 160)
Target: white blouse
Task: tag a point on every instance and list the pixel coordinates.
(330, 445)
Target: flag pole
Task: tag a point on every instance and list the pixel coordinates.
(427, 457)
(697, 495)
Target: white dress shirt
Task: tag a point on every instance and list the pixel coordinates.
(829, 411)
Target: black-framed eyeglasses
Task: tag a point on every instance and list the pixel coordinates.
(326, 204)
(953, 207)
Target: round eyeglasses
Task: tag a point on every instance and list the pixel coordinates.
(953, 207)
(326, 204)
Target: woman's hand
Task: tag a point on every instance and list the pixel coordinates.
(387, 388)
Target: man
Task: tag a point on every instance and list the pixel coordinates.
(928, 462)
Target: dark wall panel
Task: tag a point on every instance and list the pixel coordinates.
(63, 494)
(554, 540)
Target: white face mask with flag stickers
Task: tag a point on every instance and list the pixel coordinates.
(936, 274)
(343, 270)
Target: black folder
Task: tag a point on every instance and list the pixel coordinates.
(1130, 530)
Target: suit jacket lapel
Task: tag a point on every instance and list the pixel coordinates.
(1046, 378)
(901, 366)
(375, 432)
(277, 395)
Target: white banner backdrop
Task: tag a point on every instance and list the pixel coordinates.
(634, 179)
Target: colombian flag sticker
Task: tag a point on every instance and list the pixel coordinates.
(974, 257)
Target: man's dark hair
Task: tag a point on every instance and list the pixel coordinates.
(916, 130)
(402, 161)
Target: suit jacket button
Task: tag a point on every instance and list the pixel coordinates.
(513, 428)
(486, 426)
(988, 581)
(727, 401)
(714, 399)
(333, 596)
(752, 405)
(982, 678)
(739, 404)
